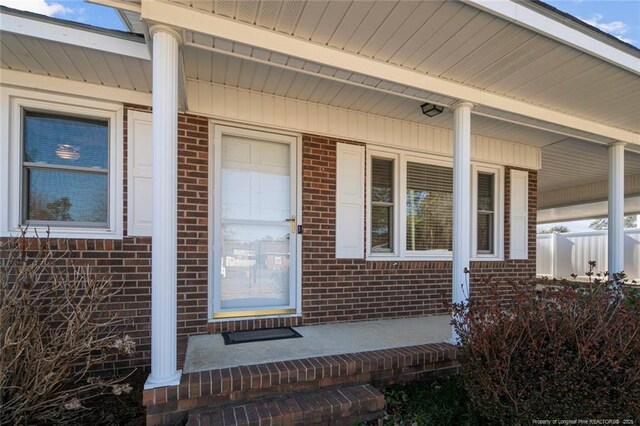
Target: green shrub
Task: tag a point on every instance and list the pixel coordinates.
(558, 351)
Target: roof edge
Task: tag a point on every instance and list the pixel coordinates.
(579, 24)
(126, 35)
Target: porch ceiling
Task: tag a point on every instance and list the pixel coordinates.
(456, 42)
(216, 60)
(234, 71)
(571, 163)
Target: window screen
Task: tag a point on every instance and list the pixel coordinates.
(65, 170)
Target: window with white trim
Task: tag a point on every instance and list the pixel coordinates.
(411, 207)
(487, 222)
(64, 163)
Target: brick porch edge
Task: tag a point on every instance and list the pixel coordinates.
(172, 404)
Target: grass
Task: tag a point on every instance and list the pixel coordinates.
(442, 402)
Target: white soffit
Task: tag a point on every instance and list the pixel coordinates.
(72, 87)
(451, 41)
(540, 124)
(532, 16)
(347, 35)
(585, 193)
(286, 63)
(585, 211)
(216, 60)
(103, 40)
(73, 62)
(398, 102)
(571, 163)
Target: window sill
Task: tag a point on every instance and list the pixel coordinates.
(374, 258)
(65, 233)
(487, 259)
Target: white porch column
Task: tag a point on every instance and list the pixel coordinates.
(616, 207)
(461, 202)
(164, 370)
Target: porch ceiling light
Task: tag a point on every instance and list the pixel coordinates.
(431, 110)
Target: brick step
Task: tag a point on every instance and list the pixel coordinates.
(379, 368)
(334, 406)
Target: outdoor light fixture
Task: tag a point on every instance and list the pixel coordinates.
(431, 110)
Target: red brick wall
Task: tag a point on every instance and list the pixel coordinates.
(332, 290)
(193, 202)
(350, 290)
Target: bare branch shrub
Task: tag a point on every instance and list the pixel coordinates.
(54, 327)
(566, 350)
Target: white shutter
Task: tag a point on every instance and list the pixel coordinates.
(350, 202)
(519, 216)
(139, 174)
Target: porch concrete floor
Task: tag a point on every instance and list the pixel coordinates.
(208, 351)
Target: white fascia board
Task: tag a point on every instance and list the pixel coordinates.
(585, 211)
(73, 36)
(70, 87)
(116, 4)
(210, 24)
(531, 19)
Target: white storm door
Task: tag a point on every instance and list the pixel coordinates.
(255, 228)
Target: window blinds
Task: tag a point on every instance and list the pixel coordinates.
(381, 205)
(382, 180)
(485, 212)
(429, 207)
(485, 192)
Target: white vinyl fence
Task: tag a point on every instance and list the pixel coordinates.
(560, 255)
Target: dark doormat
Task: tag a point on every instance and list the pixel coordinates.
(260, 335)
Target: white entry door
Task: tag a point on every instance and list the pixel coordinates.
(255, 227)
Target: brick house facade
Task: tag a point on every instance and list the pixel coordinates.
(333, 290)
(243, 165)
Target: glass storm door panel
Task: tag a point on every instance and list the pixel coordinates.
(256, 226)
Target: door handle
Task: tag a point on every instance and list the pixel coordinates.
(292, 222)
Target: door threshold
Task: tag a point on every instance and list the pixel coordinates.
(262, 313)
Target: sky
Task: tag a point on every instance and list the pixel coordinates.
(71, 10)
(620, 18)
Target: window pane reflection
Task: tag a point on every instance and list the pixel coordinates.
(255, 266)
(65, 141)
(60, 196)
